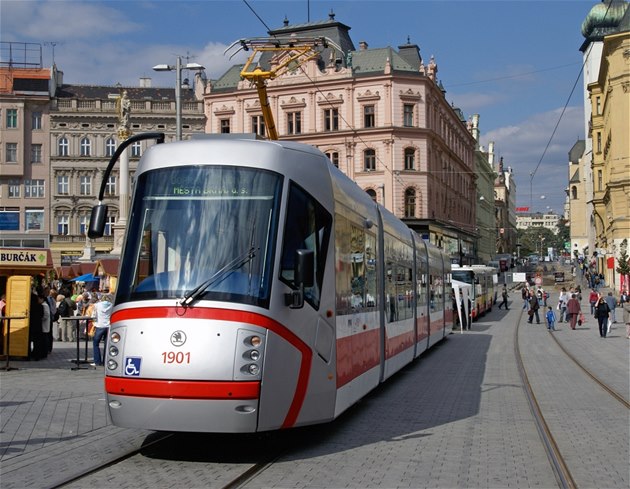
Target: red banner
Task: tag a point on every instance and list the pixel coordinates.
(522, 209)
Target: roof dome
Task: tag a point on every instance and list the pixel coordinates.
(604, 18)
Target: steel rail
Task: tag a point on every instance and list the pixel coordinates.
(597, 380)
(558, 464)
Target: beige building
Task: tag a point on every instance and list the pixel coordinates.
(56, 141)
(610, 116)
(578, 216)
(25, 92)
(381, 116)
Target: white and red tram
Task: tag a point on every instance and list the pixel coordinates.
(261, 289)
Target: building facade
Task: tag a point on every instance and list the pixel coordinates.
(26, 89)
(382, 118)
(610, 122)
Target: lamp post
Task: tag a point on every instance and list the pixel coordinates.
(178, 88)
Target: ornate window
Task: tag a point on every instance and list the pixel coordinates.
(63, 147)
(410, 159)
(85, 185)
(372, 193)
(410, 202)
(63, 185)
(11, 153)
(136, 149)
(258, 125)
(369, 160)
(86, 147)
(12, 118)
(333, 156)
(408, 115)
(224, 126)
(331, 119)
(110, 186)
(36, 120)
(63, 224)
(369, 116)
(110, 147)
(294, 122)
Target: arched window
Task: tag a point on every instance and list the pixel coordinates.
(369, 160)
(110, 147)
(63, 148)
(574, 192)
(410, 159)
(86, 147)
(410, 202)
(372, 193)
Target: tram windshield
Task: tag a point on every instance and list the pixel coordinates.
(200, 232)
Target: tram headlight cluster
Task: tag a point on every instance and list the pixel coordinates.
(250, 351)
(113, 350)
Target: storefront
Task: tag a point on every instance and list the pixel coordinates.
(20, 270)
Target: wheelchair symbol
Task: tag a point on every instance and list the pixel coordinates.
(132, 367)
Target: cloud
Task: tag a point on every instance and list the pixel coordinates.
(522, 147)
(63, 21)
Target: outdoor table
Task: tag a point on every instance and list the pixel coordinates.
(78, 360)
(8, 353)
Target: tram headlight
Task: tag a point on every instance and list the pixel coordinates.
(253, 369)
(113, 351)
(115, 337)
(255, 341)
(112, 364)
(254, 355)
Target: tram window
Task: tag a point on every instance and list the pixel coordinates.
(307, 227)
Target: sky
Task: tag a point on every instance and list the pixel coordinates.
(515, 63)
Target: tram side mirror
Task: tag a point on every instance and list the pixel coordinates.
(97, 221)
(303, 276)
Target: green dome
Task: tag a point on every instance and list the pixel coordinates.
(604, 18)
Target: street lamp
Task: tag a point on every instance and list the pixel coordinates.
(178, 88)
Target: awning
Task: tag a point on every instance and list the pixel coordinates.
(88, 277)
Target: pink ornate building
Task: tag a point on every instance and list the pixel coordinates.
(381, 116)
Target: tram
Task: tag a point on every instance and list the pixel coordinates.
(483, 280)
(261, 289)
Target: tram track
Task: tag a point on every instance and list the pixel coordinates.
(558, 463)
(560, 468)
(226, 465)
(596, 379)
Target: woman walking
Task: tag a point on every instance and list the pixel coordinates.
(573, 310)
(602, 311)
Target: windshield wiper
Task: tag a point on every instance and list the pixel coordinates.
(233, 265)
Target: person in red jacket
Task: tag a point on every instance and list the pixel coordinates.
(573, 310)
(593, 298)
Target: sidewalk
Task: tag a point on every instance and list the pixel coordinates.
(51, 417)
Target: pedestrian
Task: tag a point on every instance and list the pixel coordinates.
(45, 338)
(525, 297)
(534, 306)
(626, 317)
(623, 297)
(573, 310)
(612, 304)
(602, 312)
(51, 294)
(551, 319)
(562, 305)
(504, 298)
(102, 315)
(593, 298)
(66, 309)
(37, 348)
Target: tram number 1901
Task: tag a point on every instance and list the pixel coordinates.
(175, 357)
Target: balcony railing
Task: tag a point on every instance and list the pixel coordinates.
(137, 106)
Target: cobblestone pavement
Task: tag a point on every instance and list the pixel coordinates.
(458, 417)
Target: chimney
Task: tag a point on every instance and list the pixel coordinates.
(363, 45)
(145, 82)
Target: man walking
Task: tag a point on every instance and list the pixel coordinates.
(573, 310)
(504, 297)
